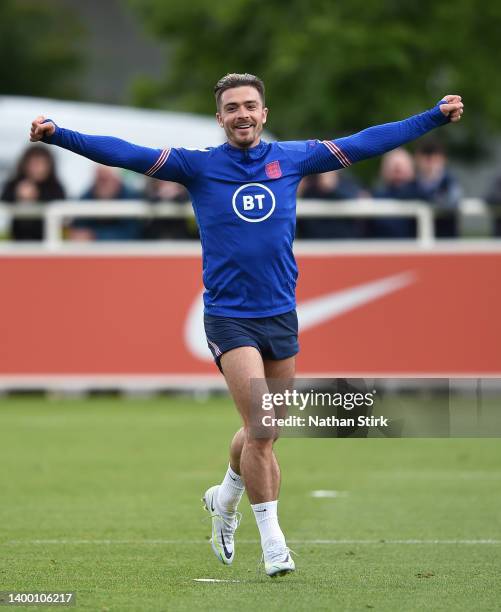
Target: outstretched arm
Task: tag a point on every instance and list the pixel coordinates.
(108, 150)
(382, 138)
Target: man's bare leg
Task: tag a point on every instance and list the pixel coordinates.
(281, 373)
(254, 456)
(278, 370)
(252, 447)
(236, 447)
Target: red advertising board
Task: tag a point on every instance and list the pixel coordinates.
(394, 313)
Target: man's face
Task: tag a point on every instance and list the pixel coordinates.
(430, 165)
(397, 168)
(242, 115)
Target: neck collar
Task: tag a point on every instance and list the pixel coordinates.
(254, 152)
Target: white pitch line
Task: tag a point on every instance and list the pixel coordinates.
(110, 542)
(212, 580)
(292, 541)
(443, 475)
(395, 541)
(328, 494)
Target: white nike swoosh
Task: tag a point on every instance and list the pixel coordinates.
(311, 313)
(318, 310)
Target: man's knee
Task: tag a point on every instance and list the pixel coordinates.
(263, 439)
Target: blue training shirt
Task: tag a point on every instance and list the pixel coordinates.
(245, 202)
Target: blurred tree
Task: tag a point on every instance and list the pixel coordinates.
(331, 67)
(37, 46)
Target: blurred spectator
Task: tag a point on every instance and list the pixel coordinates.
(107, 186)
(398, 182)
(165, 228)
(329, 186)
(493, 198)
(438, 186)
(35, 181)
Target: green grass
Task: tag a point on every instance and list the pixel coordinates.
(132, 472)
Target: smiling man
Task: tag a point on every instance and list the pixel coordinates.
(244, 198)
(241, 110)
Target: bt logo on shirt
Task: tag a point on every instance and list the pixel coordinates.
(253, 202)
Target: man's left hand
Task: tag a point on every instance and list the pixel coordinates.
(453, 108)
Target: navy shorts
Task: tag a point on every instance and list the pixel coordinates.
(274, 337)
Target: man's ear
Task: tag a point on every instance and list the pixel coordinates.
(265, 113)
(219, 120)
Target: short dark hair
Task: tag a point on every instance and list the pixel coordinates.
(229, 81)
(430, 146)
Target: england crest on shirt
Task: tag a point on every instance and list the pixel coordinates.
(273, 170)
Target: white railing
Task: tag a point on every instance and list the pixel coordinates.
(373, 208)
(57, 213)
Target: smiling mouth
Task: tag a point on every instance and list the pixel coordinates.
(244, 126)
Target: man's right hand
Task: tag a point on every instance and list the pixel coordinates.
(39, 129)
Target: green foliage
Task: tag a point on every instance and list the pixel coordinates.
(330, 67)
(37, 47)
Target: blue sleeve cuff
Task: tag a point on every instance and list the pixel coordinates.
(51, 139)
(437, 116)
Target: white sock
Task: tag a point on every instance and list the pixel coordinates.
(230, 492)
(267, 522)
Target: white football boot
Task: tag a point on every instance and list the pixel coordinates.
(278, 561)
(224, 525)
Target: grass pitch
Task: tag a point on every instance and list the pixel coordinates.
(102, 497)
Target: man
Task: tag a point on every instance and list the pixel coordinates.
(398, 182)
(243, 194)
(330, 186)
(438, 186)
(107, 185)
